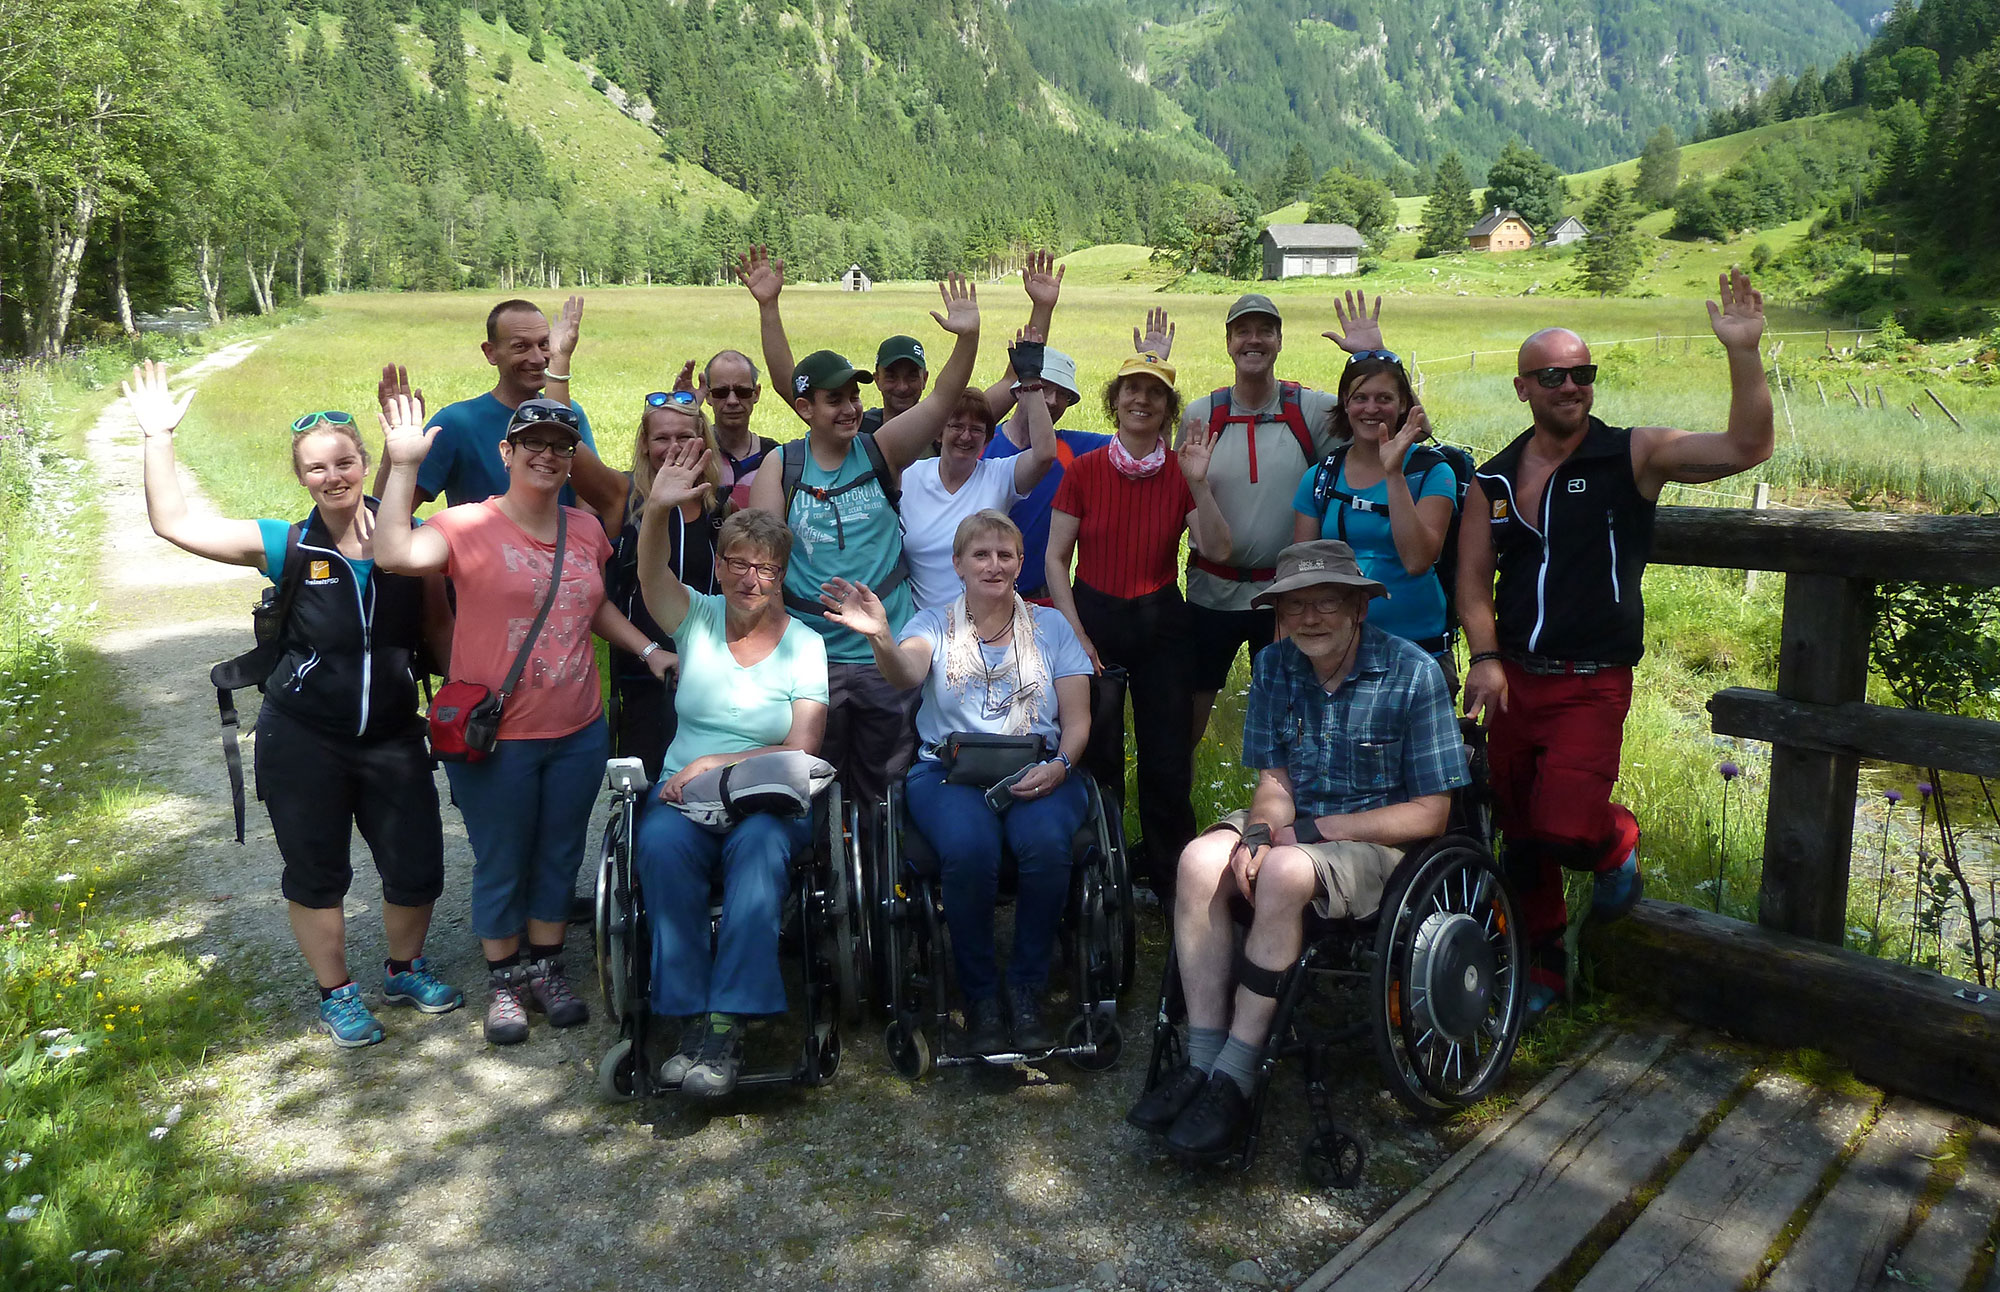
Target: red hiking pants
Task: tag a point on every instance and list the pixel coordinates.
(1554, 757)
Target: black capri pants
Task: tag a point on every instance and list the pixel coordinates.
(317, 787)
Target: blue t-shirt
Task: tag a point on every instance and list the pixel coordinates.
(857, 536)
(464, 462)
(275, 533)
(1032, 512)
(1415, 607)
(982, 703)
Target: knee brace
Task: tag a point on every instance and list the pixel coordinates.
(1256, 979)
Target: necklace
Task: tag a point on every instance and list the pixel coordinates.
(1005, 628)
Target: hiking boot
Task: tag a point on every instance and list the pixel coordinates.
(985, 1029)
(417, 986)
(507, 1012)
(1158, 1107)
(1031, 1033)
(1213, 1125)
(345, 1017)
(674, 1071)
(713, 1072)
(1615, 892)
(550, 992)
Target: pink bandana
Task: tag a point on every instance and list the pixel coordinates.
(1138, 468)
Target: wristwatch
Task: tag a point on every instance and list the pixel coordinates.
(648, 652)
(1062, 758)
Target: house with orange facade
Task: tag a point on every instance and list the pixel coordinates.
(1500, 231)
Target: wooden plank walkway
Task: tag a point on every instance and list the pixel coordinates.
(1676, 1163)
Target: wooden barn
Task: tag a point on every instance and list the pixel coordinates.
(1500, 231)
(1306, 250)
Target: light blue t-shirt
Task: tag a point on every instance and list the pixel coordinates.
(856, 536)
(727, 708)
(275, 533)
(1414, 608)
(981, 705)
(464, 462)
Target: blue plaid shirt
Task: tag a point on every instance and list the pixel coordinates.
(1385, 735)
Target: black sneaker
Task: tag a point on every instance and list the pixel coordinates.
(1213, 1125)
(985, 1029)
(716, 1064)
(1031, 1034)
(1158, 1107)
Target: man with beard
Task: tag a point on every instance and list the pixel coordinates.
(1568, 512)
(1351, 734)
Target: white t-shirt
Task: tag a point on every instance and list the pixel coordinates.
(931, 517)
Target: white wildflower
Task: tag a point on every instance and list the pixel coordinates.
(16, 1215)
(102, 1255)
(157, 1134)
(16, 1160)
(86, 975)
(68, 876)
(53, 1033)
(173, 1117)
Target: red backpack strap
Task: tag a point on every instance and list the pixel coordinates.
(1218, 412)
(1291, 411)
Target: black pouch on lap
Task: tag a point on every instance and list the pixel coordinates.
(977, 759)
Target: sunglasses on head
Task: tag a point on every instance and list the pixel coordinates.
(1388, 356)
(331, 416)
(528, 414)
(671, 398)
(1552, 378)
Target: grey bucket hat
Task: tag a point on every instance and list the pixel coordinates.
(1309, 564)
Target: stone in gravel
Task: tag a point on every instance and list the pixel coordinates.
(1248, 1272)
(1104, 1274)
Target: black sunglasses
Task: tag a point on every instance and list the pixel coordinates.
(1552, 378)
(1389, 355)
(332, 416)
(677, 398)
(529, 414)
(720, 393)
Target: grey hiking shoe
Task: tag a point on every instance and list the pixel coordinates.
(550, 992)
(713, 1073)
(507, 1011)
(674, 1071)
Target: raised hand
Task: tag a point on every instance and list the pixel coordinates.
(686, 380)
(1416, 429)
(568, 327)
(1042, 279)
(1030, 333)
(405, 439)
(1739, 323)
(764, 276)
(1360, 327)
(395, 381)
(1158, 337)
(1195, 452)
(961, 306)
(854, 606)
(682, 476)
(153, 405)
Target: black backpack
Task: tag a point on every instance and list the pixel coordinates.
(1423, 459)
(253, 667)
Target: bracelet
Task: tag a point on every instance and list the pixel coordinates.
(648, 652)
(1307, 829)
(555, 376)
(1481, 656)
(1062, 758)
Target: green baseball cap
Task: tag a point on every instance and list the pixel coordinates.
(825, 370)
(901, 347)
(1252, 303)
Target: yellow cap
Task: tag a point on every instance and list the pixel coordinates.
(1150, 364)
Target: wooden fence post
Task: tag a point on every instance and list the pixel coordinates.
(1760, 500)
(1809, 825)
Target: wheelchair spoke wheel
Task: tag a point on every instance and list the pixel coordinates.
(1122, 918)
(1448, 981)
(838, 903)
(1333, 1159)
(614, 926)
(617, 1074)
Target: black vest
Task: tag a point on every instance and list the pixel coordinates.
(693, 559)
(1569, 578)
(346, 656)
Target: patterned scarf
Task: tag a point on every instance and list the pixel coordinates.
(1138, 468)
(1023, 665)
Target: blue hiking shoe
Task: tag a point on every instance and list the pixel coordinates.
(344, 1016)
(1615, 892)
(419, 987)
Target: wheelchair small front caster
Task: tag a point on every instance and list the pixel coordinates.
(1110, 1045)
(1334, 1159)
(909, 1050)
(617, 1074)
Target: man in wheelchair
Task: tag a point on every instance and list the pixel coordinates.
(1352, 733)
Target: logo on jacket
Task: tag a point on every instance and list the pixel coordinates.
(1499, 509)
(1576, 486)
(320, 570)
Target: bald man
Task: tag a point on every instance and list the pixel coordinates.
(1570, 507)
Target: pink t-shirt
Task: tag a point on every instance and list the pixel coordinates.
(500, 574)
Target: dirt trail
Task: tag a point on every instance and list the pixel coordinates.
(435, 1161)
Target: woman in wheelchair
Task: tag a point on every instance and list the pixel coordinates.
(753, 680)
(993, 665)
(1352, 733)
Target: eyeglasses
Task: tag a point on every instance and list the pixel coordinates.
(1324, 607)
(1552, 378)
(1389, 356)
(739, 567)
(528, 414)
(566, 449)
(332, 417)
(677, 398)
(744, 393)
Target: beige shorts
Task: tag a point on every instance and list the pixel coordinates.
(1351, 875)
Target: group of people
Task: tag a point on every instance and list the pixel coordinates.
(952, 562)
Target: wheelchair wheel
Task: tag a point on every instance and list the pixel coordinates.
(617, 1075)
(614, 927)
(841, 842)
(1333, 1159)
(1121, 922)
(1449, 979)
(909, 1050)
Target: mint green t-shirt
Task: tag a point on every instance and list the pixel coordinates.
(857, 536)
(726, 708)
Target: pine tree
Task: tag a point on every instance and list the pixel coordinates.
(1449, 213)
(1611, 255)
(1297, 177)
(1659, 170)
(448, 45)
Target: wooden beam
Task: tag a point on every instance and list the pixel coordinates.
(1898, 1027)
(1874, 731)
(1809, 820)
(1876, 546)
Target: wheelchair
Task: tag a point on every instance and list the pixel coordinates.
(1442, 974)
(1096, 941)
(824, 924)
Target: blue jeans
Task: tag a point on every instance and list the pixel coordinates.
(676, 860)
(527, 811)
(967, 837)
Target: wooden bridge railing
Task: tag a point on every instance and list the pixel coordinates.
(1907, 1029)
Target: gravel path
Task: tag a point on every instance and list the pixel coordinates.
(434, 1161)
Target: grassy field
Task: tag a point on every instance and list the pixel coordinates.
(1710, 157)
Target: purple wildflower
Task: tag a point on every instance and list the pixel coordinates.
(1730, 771)
(1894, 797)
(1926, 789)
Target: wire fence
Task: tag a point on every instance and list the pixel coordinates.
(1471, 357)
